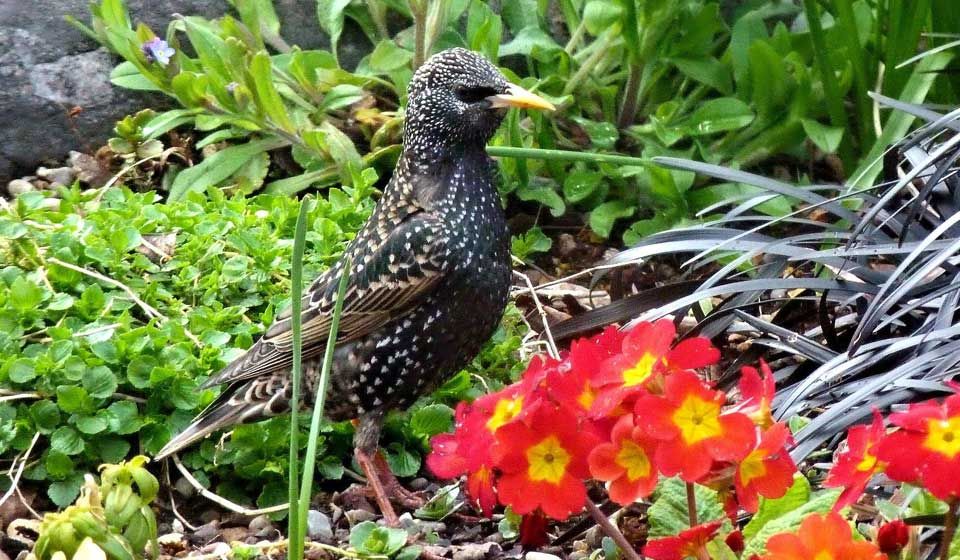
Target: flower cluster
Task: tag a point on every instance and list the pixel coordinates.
(923, 449)
(624, 409)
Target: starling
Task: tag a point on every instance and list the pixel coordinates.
(429, 278)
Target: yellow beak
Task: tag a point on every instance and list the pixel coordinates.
(520, 98)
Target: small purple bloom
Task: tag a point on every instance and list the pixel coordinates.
(157, 50)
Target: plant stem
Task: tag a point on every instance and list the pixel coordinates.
(949, 528)
(631, 96)
(418, 9)
(692, 504)
(612, 531)
(296, 288)
(309, 462)
(577, 79)
(564, 155)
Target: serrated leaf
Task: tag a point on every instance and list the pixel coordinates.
(99, 382)
(431, 420)
(544, 195)
(22, 370)
(796, 496)
(64, 492)
(605, 215)
(819, 503)
(45, 416)
(66, 440)
(668, 514)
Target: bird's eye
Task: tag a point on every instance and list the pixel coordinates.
(474, 94)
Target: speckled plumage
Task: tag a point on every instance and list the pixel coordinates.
(430, 276)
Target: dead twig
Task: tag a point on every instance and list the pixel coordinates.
(220, 500)
(15, 478)
(551, 345)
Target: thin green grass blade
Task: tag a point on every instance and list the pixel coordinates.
(310, 461)
(564, 155)
(294, 523)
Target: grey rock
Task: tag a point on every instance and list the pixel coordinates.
(533, 555)
(318, 526)
(176, 526)
(476, 551)
(58, 175)
(419, 484)
(184, 488)
(19, 186)
(355, 516)
(48, 68)
(261, 526)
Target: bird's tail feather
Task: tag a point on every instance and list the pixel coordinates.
(215, 417)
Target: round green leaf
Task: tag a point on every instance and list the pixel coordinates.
(45, 416)
(99, 382)
(66, 440)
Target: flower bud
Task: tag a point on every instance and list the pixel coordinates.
(893, 537)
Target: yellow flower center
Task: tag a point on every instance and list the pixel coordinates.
(868, 463)
(943, 436)
(640, 371)
(633, 458)
(823, 555)
(503, 412)
(698, 419)
(587, 396)
(752, 467)
(547, 461)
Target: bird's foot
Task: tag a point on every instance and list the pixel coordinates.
(375, 485)
(393, 488)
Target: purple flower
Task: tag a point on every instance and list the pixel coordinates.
(157, 50)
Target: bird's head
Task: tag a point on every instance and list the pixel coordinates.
(456, 101)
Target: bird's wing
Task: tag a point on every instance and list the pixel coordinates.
(386, 280)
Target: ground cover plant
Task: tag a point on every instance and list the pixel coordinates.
(757, 424)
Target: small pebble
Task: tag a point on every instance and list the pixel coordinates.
(23, 554)
(533, 555)
(64, 176)
(419, 484)
(184, 488)
(50, 204)
(577, 555)
(170, 539)
(176, 526)
(261, 526)
(207, 532)
(216, 549)
(355, 516)
(476, 551)
(318, 526)
(19, 186)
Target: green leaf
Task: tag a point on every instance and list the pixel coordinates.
(825, 137)
(387, 57)
(45, 416)
(600, 15)
(431, 420)
(820, 502)
(64, 492)
(402, 462)
(718, 115)
(544, 195)
(123, 417)
(668, 514)
(111, 449)
(796, 496)
(484, 29)
(267, 97)
(369, 538)
(603, 217)
(22, 370)
(580, 184)
(74, 400)
(128, 76)
(708, 71)
(25, 295)
(91, 424)
(66, 440)
(528, 41)
(166, 121)
(138, 371)
(106, 350)
(531, 241)
(218, 167)
(99, 382)
(330, 17)
(58, 465)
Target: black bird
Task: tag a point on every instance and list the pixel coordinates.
(429, 278)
